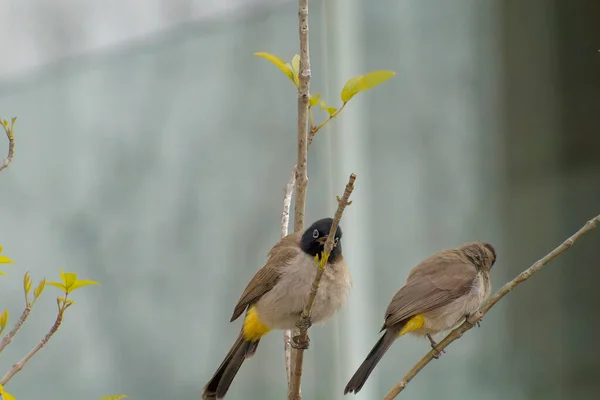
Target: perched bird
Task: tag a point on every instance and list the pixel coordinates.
(276, 295)
(439, 293)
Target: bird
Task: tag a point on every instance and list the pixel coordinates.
(275, 297)
(440, 292)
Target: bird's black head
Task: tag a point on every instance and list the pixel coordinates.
(314, 238)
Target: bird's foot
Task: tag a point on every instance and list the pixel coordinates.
(437, 353)
(304, 323)
(299, 343)
(474, 319)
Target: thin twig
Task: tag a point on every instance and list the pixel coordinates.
(342, 203)
(7, 339)
(477, 316)
(11, 144)
(303, 103)
(19, 366)
(285, 221)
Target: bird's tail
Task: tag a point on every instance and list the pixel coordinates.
(362, 373)
(219, 384)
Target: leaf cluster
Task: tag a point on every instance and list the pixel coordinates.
(351, 88)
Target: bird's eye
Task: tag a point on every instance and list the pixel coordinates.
(316, 233)
(337, 239)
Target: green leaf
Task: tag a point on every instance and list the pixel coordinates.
(350, 88)
(114, 397)
(282, 65)
(296, 69)
(4, 259)
(68, 278)
(82, 283)
(5, 395)
(3, 319)
(330, 110)
(375, 78)
(364, 82)
(39, 289)
(27, 283)
(58, 285)
(314, 99)
(66, 302)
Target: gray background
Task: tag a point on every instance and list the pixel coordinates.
(152, 152)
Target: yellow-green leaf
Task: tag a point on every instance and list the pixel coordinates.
(314, 99)
(69, 279)
(27, 283)
(375, 78)
(6, 260)
(3, 319)
(296, 69)
(114, 397)
(82, 283)
(59, 285)
(350, 88)
(282, 65)
(5, 123)
(296, 64)
(364, 82)
(5, 395)
(330, 110)
(39, 289)
(2, 273)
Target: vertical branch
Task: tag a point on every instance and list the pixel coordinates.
(294, 387)
(285, 221)
(301, 166)
(303, 103)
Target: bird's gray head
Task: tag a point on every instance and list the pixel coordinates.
(482, 255)
(314, 238)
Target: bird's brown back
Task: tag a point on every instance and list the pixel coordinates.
(434, 282)
(267, 277)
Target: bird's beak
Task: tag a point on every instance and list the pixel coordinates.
(322, 239)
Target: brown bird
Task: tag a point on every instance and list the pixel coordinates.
(276, 295)
(439, 293)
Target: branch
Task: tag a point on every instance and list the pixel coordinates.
(478, 315)
(285, 221)
(301, 165)
(19, 366)
(7, 339)
(303, 103)
(302, 322)
(11, 143)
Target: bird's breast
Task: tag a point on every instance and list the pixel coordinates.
(281, 306)
(448, 316)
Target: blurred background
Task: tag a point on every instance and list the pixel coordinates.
(153, 149)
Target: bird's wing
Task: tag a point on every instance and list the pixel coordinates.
(433, 284)
(267, 277)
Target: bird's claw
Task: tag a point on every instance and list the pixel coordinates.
(298, 343)
(469, 319)
(437, 353)
(304, 323)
